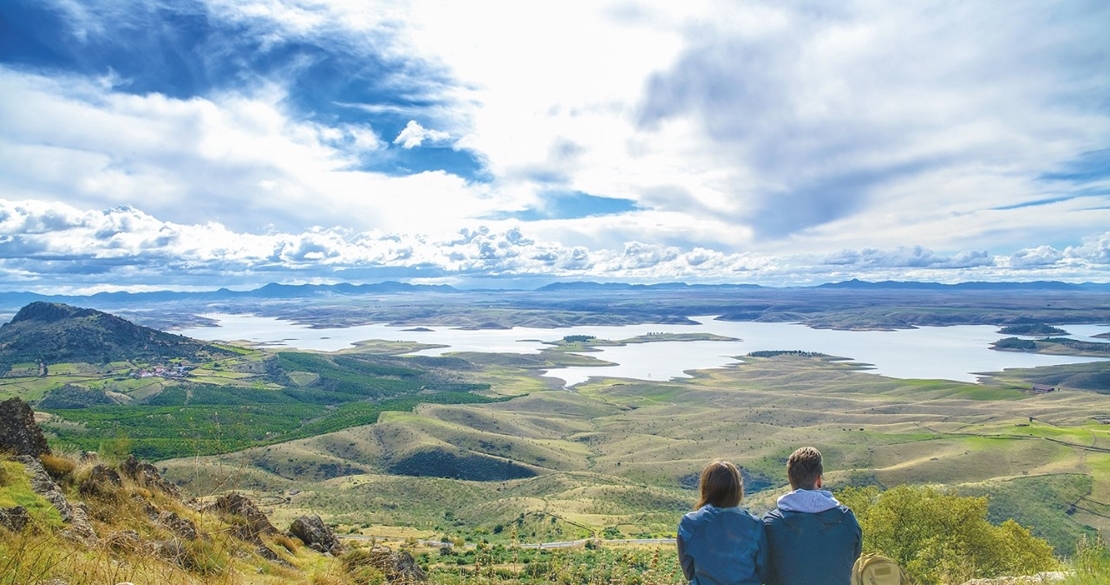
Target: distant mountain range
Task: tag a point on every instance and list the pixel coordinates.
(50, 333)
(13, 300)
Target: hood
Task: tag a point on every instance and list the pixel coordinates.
(809, 501)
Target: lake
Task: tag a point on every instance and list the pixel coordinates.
(951, 353)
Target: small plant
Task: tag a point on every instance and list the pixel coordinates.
(1091, 563)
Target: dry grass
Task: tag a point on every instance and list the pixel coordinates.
(143, 538)
(59, 468)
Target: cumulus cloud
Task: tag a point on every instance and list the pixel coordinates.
(696, 140)
(45, 246)
(414, 135)
(1039, 256)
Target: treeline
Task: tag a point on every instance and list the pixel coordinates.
(777, 352)
(1037, 329)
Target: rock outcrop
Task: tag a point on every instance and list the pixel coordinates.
(250, 522)
(398, 567)
(14, 519)
(147, 476)
(316, 535)
(255, 522)
(19, 434)
(102, 480)
(76, 516)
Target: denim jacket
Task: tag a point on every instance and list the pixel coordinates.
(719, 546)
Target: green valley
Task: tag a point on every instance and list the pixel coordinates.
(480, 450)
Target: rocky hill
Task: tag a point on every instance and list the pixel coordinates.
(51, 333)
(84, 521)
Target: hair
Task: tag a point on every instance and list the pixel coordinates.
(721, 485)
(804, 468)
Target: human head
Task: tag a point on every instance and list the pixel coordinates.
(721, 485)
(803, 469)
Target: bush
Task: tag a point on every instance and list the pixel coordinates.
(939, 537)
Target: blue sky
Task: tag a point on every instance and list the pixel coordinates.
(206, 143)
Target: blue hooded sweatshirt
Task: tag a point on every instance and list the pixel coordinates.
(719, 546)
(812, 540)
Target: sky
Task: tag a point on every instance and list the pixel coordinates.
(198, 144)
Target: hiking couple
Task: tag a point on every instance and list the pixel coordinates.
(808, 539)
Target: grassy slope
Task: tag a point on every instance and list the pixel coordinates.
(612, 453)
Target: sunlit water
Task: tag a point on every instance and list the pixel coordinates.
(952, 353)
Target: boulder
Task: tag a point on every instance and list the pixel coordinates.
(182, 528)
(235, 504)
(19, 433)
(126, 541)
(102, 481)
(398, 567)
(316, 535)
(147, 475)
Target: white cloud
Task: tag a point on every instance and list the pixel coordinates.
(414, 135)
(754, 137)
(237, 159)
(51, 245)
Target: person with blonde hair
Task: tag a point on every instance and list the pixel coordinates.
(719, 542)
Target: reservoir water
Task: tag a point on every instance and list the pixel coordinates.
(952, 353)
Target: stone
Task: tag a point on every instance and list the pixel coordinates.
(147, 475)
(19, 433)
(316, 535)
(235, 504)
(398, 567)
(126, 541)
(183, 528)
(76, 516)
(14, 519)
(100, 482)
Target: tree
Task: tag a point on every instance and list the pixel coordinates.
(939, 537)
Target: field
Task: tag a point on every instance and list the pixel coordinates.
(620, 457)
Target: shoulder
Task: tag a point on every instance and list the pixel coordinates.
(774, 515)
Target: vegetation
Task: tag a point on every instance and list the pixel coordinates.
(1036, 329)
(791, 352)
(205, 420)
(51, 333)
(148, 536)
(939, 537)
(607, 459)
(1016, 344)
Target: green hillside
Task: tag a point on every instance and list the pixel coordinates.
(51, 333)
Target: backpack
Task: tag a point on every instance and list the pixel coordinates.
(876, 569)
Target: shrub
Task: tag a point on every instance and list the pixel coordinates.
(1091, 563)
(58, 468)
(939, 537)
